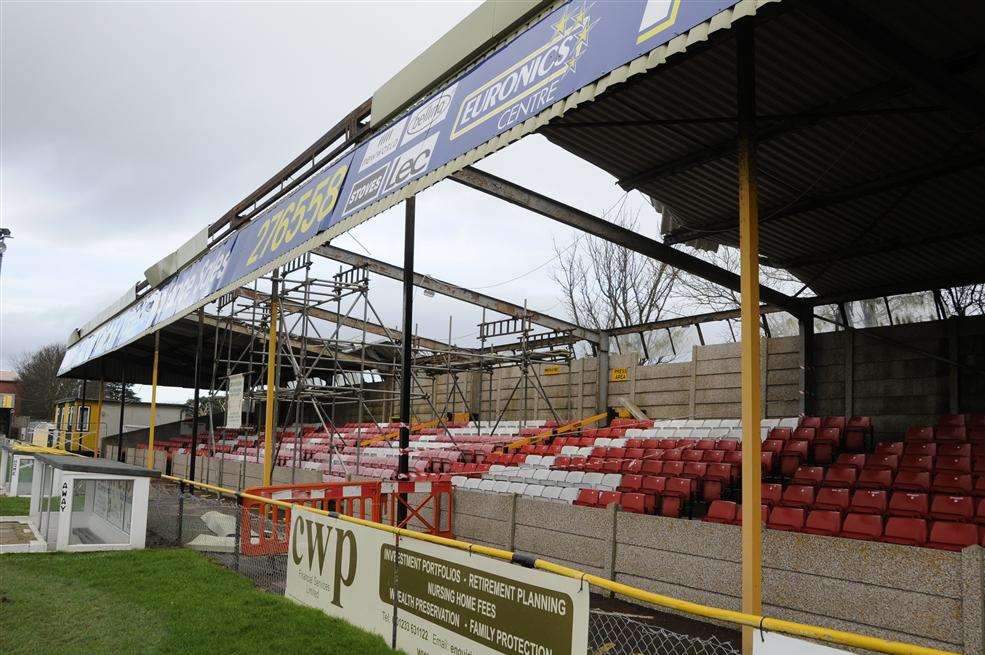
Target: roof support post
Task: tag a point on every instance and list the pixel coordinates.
(123, 402)
(602, 379)
(198, 359)
(153, 401)
(749, 282)
(270, 407)
(97, 448)
(406, 341)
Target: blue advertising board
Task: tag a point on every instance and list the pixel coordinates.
(574, 45)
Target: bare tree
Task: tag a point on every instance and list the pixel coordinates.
(965, 301)
(39, 383)
(604, 286)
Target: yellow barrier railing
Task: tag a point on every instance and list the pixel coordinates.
(831, 636)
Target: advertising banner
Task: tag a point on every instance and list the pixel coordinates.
(574, 45)
(234, 401)
(446, 600)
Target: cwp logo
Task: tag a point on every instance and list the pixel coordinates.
(313, 542)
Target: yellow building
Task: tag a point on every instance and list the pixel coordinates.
(75, 428)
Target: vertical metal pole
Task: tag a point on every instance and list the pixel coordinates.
(749, 286)
(270, 408)
(97, 447)
(79, 434)
(403, 463)
(602, 375)
(123, 402)
(153, 401)
(807, 364)
(198, 357)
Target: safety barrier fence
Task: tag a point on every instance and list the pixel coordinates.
(212, 519)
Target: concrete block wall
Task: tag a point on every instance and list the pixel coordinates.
(904, 381)
(918, 595)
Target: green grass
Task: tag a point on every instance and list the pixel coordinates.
(156, 601)
(14, 506)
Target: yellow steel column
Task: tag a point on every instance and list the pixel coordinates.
(153, 401)
(749, 259)
(269, 409)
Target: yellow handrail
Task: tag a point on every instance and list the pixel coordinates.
(559, 430)
(818, 633)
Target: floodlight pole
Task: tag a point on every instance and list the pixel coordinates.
(270, 408)
(403, 462)
(198, 357)
(153, 401)
(749, 287)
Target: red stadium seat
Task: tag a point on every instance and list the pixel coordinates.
(840, 477)
(978, 490)
(976, 435)
(872, 479)
(952, 508)
(677, 491)
(882, 462)
(832, 499)
(952, 464)
(634, 453)
(722, 511)
(772, 446)
(781, 434)
(906, 531)
(917, 463)
(695, 470)
(771, 494)
(705, 444)
(947, 483)
(835, 422)
(693, 455)
(673, 469)
(786, 518)
(607, 498)
(654, 485)
(713, 456)
(804, 434)
(766, 462)
(631, 466)
(717, 476)
(823, 522)
(856, 433)
(868, 501)
(673, 455)
(954, 449)
(889, 448)
(916, 481)
(810, 475)
(862, 526)
(951, 433)
(825, 444)
(850, 460)
(920, 448)
(945, 535)
(652, 467)
(612, 466)
(630, 483)
(733, 457)
(907, 504)
(918, 433)
(980, 513)
(798, 495)
(587, 498)
(794, 455)
(727, 444)
(810, 422)
(637, 503)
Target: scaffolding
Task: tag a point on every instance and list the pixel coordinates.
(337, 362)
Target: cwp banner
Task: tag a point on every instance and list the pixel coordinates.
(446, 600)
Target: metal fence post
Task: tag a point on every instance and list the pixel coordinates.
(181, 509)
(239, 532)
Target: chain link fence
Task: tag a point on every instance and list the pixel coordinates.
(213, 525)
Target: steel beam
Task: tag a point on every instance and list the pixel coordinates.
(456, 292)
(553, 209)
(685, 321)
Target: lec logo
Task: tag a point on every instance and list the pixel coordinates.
(317, 536)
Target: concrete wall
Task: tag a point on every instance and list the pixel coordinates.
(917, 595)
(898, 375)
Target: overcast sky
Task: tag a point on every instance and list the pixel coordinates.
(127, 127)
